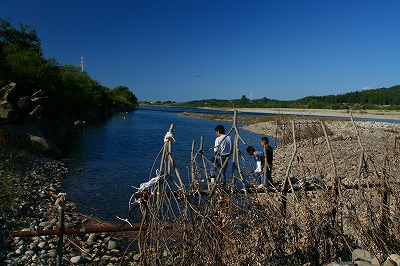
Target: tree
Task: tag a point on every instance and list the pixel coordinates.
(122, 94)
(21, 57)
(25, 37)
(244, 100)
(74, 91)
(315, 104)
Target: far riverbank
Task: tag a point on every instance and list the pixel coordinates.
(385, 114)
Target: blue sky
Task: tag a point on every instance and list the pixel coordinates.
(182, 50)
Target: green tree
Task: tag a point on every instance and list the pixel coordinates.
(315, 104)
(74, 91)
(122, 94)
(244, 100)
(25, 37)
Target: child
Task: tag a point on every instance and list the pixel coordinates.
(259, 158)
(269, 157)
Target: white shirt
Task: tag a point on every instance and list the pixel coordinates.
(223, 145)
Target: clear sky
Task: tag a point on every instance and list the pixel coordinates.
(182, 50)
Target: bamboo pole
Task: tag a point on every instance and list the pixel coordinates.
(192, 159)
(76, 231)
(164, 171)
(362, 153)
(236, 163)
(61, 203)
(385, 202)
(287, 181)
(336, 181)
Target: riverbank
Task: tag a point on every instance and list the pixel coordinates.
(384, 114)
(347, 140)
(37, 182)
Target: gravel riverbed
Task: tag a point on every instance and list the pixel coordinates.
(377, 139)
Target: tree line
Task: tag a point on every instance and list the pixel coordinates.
(73, 90)
(374, 99)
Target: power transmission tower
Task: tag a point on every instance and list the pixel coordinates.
(82, 63)
(251, 96)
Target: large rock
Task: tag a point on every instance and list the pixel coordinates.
(25, 103)
(45, 147)
(33, 117)
(7, 112)
(9, 93)
(38, 112)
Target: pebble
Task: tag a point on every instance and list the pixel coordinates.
(76, 259)
(112, 244)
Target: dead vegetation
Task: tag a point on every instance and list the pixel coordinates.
(313, 215)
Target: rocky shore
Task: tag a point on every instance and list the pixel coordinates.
(38, 180)
(30, 182)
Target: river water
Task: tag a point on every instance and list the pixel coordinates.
(108, 160)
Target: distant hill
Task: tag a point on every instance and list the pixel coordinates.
(382, 98)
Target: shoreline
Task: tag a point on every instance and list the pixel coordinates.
(39, 180)
(383, 114)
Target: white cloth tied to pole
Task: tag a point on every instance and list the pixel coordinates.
(169, 137)
(149, 183)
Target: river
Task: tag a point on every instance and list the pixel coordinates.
(107, 161)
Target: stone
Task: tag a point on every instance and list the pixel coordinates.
(362, 263)
(76, 259)
(38, 112)
(358, 254)
(7, 112)
(45, 224)
(38, 94)
(53, 253)
(389, 262)
(9, 93)
(33, 246)
(45, 146)
(42, 101)
(392, 260)
(29, 252)
(112, 244)
(375, 261)
(136, 257)
(42, 245)
(24, 103)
